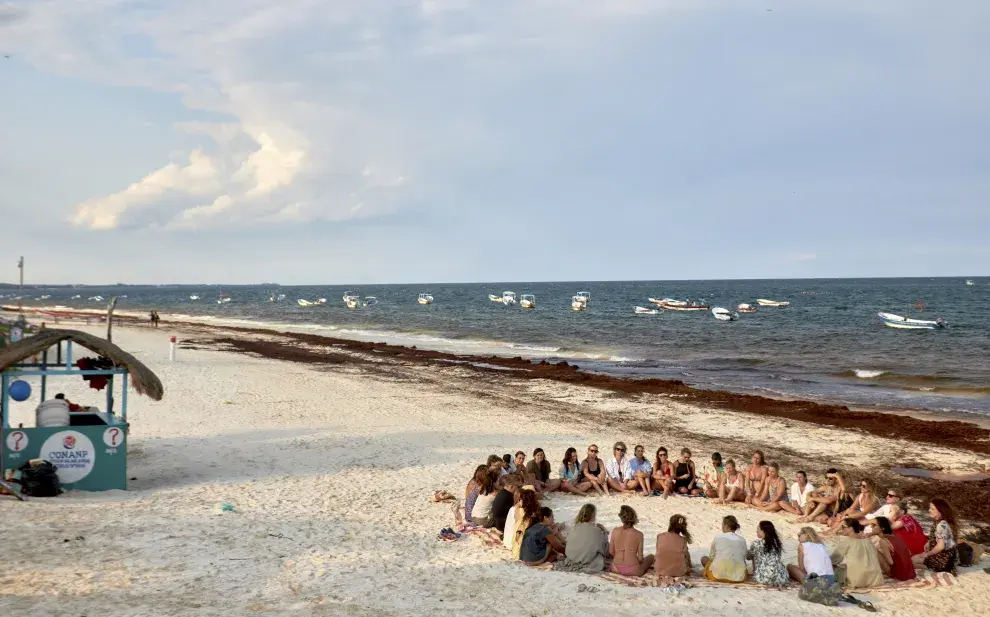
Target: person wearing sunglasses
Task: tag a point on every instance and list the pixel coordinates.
(864, 503)
(663, 473)
(822, 502)
(890, 499)
(593, 471)
(618, 472)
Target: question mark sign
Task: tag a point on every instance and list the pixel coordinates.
(18, 438)
(113, 436)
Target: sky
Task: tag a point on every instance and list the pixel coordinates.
(386, 141)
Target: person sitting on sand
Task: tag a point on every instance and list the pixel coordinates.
(857, 555)
(626, 546)
(864, 503)
(507, 463)
(472, 488)
(593, 471)
(617, 471)
(813, 558)
(672, 556)
(732, 487)
(509, 487)
(481, 513)
(663, 473)
(756, 475)
(711, 476)
(519, 461)
(541, 544)
(524, 514)
(642, 471)
(684, 474)
(940, 554)
(907, 528)
(495, 464)
(774, 491)
(901, 565)
(820, 503)
(539, 468)
(726, 560)
(587, 544)
(571, 478)
(766, 552)
(800, 490)
(890, 498)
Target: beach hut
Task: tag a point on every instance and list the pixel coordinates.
(89, 447)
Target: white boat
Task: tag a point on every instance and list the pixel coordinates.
(578, 304)
(75, 297)
(495, 298)
(765, 302)
(969, 282)
(527, 301)
(425, 298)
(508, 298)
(320, 301)
(350, 294)
(370, 301)
(746, 308)
(583, 296)
(352, 302)
(680, 305)
(723, 314)
(642, 310)
(897, 321)
(668, 302)
(302, 302)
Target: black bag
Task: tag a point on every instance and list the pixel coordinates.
(964, 552)
(40, 481)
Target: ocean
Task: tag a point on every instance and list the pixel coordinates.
(828, 345)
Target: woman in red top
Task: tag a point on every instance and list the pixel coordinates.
(902, 567)
(907, 528)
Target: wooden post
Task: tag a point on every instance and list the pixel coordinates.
(110, 306)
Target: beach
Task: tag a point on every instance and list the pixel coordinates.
(328, 455)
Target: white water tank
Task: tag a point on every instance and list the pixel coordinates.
(53, 412)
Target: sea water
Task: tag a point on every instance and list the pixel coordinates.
(828, 345)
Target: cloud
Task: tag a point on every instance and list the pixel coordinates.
(803, 257)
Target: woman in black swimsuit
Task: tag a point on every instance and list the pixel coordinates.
(593, 470)
(684, 474)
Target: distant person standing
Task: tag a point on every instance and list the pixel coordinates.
(155, 318)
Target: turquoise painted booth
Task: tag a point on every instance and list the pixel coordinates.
(89, 448)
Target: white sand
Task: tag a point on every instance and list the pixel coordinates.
(330, 471)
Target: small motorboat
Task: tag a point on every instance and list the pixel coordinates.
(765, 302)
(667, 301)
(897, 321)
(352, 302)
(746, 308)
(681, 305)
(425, 298)
(320, 301)
(495, 298)
(370, 301)
(584, 296)
(724, 314)
(508, 298)
(350, 294)
(578, 304)
(527, 301)
(302, 302)
(970, 282)
(642, 310)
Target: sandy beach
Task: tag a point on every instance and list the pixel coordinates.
(329, 466)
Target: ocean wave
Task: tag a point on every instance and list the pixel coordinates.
(863, 373)
(895, 378)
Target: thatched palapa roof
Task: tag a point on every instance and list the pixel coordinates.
(141, 377)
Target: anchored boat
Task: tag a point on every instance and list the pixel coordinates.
(508, 298)
(425, 298)
(642, 310)
(897, 321)
(746, 308)
(527, 301)
(578, 304)
(723, 314)
(765, 302)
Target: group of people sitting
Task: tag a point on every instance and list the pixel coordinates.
(872, 539)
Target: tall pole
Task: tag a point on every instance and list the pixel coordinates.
(20, 290)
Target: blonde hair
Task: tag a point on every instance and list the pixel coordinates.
(586, 514)
(811, 534)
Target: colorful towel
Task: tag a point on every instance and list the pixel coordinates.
(688, 581)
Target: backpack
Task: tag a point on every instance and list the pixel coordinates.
(40, 481)
(964, 553)
(820, 591)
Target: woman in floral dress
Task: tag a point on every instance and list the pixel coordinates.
(767, 553)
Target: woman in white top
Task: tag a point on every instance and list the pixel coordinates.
(813, 558)
(481, 514)
(800, 490)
